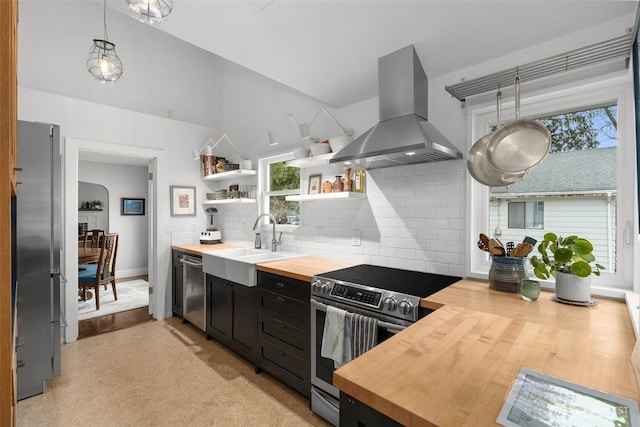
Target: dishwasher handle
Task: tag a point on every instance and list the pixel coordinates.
(195, 262)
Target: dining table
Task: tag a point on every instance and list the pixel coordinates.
(87, 255)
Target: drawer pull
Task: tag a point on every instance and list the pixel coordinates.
(282, 325)
(279, 285)
(282, 353)
(281, 300)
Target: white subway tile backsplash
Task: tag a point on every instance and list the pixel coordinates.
(438, 223)
(406, 253)
(416, 265)
(388, 251)
(380, 260)
(413, 217)
(394, 242)
(427, 234)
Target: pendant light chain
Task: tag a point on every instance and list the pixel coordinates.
(104, 19)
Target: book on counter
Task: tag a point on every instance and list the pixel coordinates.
(538, 399)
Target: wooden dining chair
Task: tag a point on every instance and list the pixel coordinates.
(103, 272)
(92, 238)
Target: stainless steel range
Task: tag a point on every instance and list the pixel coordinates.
(390, 295)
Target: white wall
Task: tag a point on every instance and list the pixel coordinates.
(161, 74)
(119, 131)
(123, 181)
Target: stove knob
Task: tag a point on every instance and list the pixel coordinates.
(406, 306)
(325, 288)
(315, 285)
(391, 303)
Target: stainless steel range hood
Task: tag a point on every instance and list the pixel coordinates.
(403, 136)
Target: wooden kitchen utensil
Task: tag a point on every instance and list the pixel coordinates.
(522, 250)
(495, 248)
(482, 246)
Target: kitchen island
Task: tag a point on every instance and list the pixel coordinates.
(456, 366)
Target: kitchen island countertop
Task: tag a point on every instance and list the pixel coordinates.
(456, 366)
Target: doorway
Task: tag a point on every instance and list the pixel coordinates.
(75, 151)
(110, 185)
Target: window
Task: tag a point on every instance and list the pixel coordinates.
(278, 181)
(526, 214)
(578, 189)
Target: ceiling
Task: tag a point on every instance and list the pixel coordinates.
(328, 49)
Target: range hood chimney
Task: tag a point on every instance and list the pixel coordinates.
(403, 136)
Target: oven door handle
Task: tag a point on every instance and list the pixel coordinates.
(391, 327)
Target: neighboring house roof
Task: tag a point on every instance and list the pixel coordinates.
(570, 172)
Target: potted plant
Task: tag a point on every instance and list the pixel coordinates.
(571, 261)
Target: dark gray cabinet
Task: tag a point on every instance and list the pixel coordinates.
(176, 282)
(284, 343)
(231, 315)
(357, 414)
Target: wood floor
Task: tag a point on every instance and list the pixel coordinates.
(115, 321)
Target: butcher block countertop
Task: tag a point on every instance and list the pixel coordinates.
(198, 249)
(303, 268)
(456, 366)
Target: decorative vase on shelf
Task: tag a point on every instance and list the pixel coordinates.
(570, 287)
(347, 179)
(327, 187)
(337, 184)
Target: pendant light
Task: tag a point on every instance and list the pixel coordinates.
(103, 62)
(150, 11)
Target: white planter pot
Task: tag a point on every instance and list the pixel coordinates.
(573, 288)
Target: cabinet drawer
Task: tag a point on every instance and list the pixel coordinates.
(280, 327)
(292, 288)
(290, 307)
(283, 357)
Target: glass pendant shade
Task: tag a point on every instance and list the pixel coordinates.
(103, 62)
(150, 11)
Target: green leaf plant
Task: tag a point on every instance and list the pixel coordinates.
(570, 255)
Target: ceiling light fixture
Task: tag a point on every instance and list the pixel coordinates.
(150, 11)
(103, 62)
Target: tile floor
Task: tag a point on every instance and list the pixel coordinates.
(162, 373)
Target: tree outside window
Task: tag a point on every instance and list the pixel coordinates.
(282, 181)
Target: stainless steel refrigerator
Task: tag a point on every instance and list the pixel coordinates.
(38, 233)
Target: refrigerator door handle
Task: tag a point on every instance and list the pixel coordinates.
(63, 281)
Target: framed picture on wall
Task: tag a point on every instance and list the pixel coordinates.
(314, 184)
(183, 201)
(132, 206)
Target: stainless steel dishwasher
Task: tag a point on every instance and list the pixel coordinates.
(193, 291)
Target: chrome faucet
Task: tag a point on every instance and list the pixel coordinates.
(274, 242)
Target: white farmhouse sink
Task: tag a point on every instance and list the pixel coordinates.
(239, 265)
